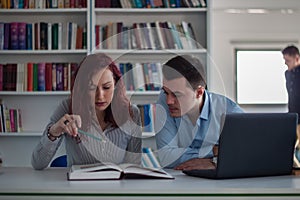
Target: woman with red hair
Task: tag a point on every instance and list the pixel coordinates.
(98, 122)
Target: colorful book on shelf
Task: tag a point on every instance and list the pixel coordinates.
(7, 36)
(43, 35)
(3, 115)
(37, 39)
(138, 77)
(66, 75)
(55, 36)
(22, 35)
(29, 36)
(59, 77)
(48, 77)
(19, 120)
(1, 77)
(14, 36)
(54, 77)
(74, 67)
(30, 76)
(13, 127)
(7, 120)
(79, 37)
(49, 34)
(2, 35)
(41, 76)
(110, 171)
(20, 77)
(35, 77)
(10, 77)
(102, 3)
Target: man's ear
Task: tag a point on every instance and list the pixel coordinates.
(199, 91)
(297, 58)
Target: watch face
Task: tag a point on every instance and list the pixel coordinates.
(215, 159)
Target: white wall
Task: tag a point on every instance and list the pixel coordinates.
(228, 31)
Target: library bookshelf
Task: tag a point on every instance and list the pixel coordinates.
(38, 106)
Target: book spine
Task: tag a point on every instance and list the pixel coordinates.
(29, 36)
(37, 36)
(20, 77)
(14, 36)
(65, 76)
(48, 77)
(35, 77)
(74, 67)
(54, 77)
(1, 77)
(7, 120)
(59, 77)
(6, 36)
(12, 120)
(3, 116)
(29, 76)
(1, 35)
(60, 33)
(43, 35)
(20, 125)
(22, 35)
(41, 77)
(55, 36)
(84, 39)
(79, 37)
(49, 34)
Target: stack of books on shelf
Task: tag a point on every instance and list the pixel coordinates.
(42, 4)
(150, 3)
(10, 119)
(146, 35)
(22, 77)
(42, 36)
(141, 76)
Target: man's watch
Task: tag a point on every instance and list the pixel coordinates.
(214, 160)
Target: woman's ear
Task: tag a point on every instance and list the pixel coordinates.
(200, 91)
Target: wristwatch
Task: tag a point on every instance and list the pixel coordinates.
(214, 160)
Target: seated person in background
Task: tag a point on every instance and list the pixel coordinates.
(98, 106)
(188, 116)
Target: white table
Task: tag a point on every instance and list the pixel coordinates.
(52, 183)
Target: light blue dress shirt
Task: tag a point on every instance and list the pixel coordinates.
(178, 140)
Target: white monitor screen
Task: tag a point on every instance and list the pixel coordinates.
(260, 77)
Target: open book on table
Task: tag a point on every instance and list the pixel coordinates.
(102, 171)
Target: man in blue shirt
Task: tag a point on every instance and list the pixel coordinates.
(188, 116)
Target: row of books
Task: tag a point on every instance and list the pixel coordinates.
(149, 3)
(141, 76)
(147, 112)
(42, 4)
(146, 35)
(10, 119)
(42, 36)
(37, 76)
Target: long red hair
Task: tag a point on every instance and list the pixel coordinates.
(81, 102)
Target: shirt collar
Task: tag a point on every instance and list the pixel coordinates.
(205, 108)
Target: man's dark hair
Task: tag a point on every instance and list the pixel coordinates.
(290, 50)
(186, 66)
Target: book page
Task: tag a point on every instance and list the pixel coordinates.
(95, 167)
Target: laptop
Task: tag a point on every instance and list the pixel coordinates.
(253, 145)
